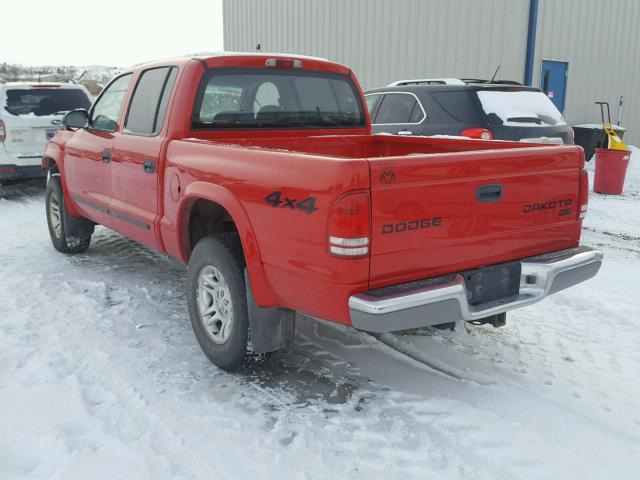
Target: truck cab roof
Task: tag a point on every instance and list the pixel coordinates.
(244, 59)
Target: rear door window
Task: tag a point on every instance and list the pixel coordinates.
(104, 115)
(164, 101)
(399, 108)
(40, 101)
(145, 116)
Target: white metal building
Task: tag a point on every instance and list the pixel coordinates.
(580, 51)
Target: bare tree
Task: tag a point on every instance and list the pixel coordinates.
(10, 73)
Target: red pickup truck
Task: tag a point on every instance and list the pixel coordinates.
(261, 173)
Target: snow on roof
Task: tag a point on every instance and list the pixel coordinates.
(599, 126)
(41, 84)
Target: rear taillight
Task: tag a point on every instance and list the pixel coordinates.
(349, 226)
(481, 133)
(3, 132)
(583, 194)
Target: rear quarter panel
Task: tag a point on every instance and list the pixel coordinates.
(285, 245)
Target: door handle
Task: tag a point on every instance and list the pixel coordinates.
(405, 132)
(489, 193)
(149, 166)
(106, 156)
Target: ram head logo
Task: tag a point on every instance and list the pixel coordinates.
(388, 177)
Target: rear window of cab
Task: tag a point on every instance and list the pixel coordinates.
(276, 99)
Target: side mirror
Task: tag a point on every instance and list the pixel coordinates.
(76, 119)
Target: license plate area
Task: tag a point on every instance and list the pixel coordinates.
(492, 283)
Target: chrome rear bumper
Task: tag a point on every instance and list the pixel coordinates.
(444, 299)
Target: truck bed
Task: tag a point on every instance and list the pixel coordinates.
(427, 214)
(368, 146)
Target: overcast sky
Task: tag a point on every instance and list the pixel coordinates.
(114, 32)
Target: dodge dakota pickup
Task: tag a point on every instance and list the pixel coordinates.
(261, 173)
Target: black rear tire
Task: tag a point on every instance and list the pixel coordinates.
(222, 254)
(56, 218)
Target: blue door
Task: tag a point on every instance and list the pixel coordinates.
(553, 81)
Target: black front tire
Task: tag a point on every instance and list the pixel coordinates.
(56, 219)
(223, 252)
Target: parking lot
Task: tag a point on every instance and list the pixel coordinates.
(101, 376)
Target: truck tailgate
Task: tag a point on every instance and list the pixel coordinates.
(443, 213)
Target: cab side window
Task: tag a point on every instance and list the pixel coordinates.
(104, 115)
(149, 102)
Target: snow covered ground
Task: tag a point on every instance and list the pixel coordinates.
(101, 377)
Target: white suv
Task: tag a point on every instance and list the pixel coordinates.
(30, 115)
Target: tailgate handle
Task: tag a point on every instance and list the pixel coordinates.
(489, 193)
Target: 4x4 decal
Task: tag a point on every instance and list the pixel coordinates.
(277, 200)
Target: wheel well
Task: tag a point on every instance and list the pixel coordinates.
(50, 164)
(208, 218)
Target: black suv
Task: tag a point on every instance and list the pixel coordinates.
(503, 110)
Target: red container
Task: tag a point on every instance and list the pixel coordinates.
(611, 167)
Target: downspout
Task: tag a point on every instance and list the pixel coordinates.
(531, 42)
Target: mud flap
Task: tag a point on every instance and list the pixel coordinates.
(270, 328)
(78, 227)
